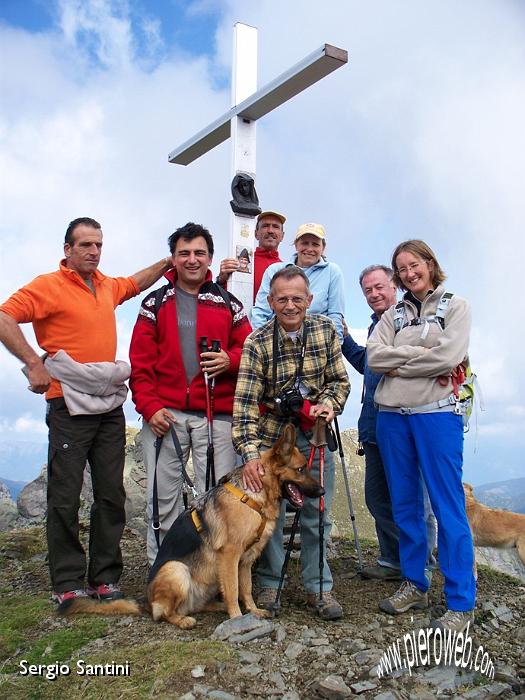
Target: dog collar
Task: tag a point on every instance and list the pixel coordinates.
(244, 498)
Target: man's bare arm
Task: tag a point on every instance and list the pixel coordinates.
(13, 339)
(145, 278)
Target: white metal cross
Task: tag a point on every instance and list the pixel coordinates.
(239, 122)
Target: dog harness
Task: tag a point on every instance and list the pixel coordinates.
(244, 498)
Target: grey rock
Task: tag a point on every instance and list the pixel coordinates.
(240, 626)
(352, 645)
(31, 501)
(277, 679)
(264, 630)
(279, 633)
(363, 687)
(251, 670)
(388, 695)
(291, 695)
(221, 695)
(198, 671)
(367, 656)
(505, 560)
(293, 650)
(248, 657)
(8, 514)
(318, 641)
(333, 688)
(498, 690)
(519, 634)
(187, 696)
(503, 613)
(200, 690)
(506, 674)
(324, 651)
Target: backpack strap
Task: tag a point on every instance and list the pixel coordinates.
(438, 317)
(442, 307)
(399, 316)
(159, 296)
(226, 297)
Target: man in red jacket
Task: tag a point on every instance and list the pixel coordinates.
(167, 375)
(269, 233)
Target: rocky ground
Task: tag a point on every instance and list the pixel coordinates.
(296, 656)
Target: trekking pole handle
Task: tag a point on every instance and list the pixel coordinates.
(203, 343)
(215, 345)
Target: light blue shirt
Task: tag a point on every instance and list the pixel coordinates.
(326, 286)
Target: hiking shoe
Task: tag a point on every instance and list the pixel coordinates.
(381, 573)
(68, 595)
(406, 597)
(453, 620)
(105, 591)
(266, 599)
(326, 607)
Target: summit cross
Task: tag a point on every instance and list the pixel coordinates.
(239, 122)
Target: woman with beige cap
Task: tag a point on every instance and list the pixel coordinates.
(326, 279)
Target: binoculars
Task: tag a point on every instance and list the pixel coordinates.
(214, 347)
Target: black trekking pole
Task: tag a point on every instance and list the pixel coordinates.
(275, 606)
(349, 496)
(210, 467)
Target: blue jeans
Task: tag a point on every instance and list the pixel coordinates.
(429, 447)
(272, 557)
(377, 496)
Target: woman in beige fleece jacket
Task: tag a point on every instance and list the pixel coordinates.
(417, 344)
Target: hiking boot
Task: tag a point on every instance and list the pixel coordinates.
(266, 599)
(453, 620)
(105, 591)
(381, 573)
(68, 595)
(327, 607)
(405, 598)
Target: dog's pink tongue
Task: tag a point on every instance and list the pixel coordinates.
(296, 496)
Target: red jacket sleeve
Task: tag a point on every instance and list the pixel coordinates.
(143, 356)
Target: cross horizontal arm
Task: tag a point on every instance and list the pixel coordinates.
(293, 81)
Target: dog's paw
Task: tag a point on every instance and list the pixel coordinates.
(260, 612)
(186, 623)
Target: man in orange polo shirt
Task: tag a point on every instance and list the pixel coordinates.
(73, 309)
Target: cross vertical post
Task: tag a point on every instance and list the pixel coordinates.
(244, 84)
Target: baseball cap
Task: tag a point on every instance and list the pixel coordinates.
(281, 218)
(314, 229)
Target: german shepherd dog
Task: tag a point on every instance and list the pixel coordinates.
(210, 549)
(494, 528)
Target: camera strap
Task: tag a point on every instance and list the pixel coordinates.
(275, 352)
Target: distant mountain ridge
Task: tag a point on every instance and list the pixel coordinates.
(14, 487)
(509, 494)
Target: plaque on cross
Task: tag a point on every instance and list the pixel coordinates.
(249, 105)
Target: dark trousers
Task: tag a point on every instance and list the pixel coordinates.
(73, 440)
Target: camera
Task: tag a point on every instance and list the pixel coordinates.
(289, 401)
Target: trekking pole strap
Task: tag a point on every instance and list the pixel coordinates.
(185, 476)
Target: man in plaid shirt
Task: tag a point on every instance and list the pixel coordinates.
(308, 360)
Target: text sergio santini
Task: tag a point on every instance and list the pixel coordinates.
(52, 671)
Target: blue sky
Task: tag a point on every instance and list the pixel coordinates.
(420, 135)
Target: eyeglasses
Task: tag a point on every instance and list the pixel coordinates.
(296, 301)
(413, 267)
